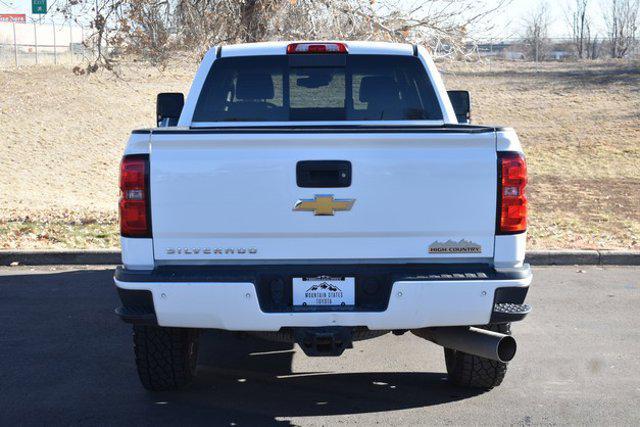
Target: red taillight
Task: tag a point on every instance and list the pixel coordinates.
(134, 196)
(317, 48)
(512, 200)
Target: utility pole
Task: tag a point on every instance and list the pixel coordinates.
(15, 45)
(55, 56)
(35, 38)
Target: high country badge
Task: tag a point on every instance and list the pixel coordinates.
(452, 247)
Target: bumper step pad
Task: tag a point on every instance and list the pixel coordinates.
(505, 312)
(137, 315)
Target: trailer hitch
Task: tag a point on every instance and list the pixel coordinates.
(325, 341)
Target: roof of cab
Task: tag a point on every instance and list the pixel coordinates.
(280, 48)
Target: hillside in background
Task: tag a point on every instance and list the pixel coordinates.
(63, 137)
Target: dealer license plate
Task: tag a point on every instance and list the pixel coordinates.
(324, 291)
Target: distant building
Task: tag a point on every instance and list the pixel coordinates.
(559, 55)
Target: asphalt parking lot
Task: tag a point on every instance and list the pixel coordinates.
(67, 359)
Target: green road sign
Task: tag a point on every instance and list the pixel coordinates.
(39, 7)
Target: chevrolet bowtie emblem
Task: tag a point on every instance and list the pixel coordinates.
(323, 204)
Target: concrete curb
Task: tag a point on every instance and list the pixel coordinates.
(563, 257)
(60, 257)
(110, 257)
(586, 257)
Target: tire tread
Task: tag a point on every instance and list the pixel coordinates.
(165, 357)
(467, 370)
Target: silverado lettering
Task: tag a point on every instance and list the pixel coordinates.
(209, 251)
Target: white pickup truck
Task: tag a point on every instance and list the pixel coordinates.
(321, 193)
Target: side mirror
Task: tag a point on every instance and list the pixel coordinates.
(168, 108)
(461, 103)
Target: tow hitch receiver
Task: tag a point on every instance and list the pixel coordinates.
(329, 341)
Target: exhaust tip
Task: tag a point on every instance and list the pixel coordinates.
(507, 348)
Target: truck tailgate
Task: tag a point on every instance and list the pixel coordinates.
(230, 196)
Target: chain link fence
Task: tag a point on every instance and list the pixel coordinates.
(34, 43)
(24, 44)
(550, 49)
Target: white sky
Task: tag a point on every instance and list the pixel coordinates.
(508, 22)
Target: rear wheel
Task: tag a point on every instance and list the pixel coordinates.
(166, 358)
(467, 370)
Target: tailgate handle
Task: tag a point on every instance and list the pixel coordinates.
(323, 173)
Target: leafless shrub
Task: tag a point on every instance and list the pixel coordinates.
(622, 19)
(104, 21)
(145, 29)
(536, 32)
(442, 25)
(581, 29)
(153, 29)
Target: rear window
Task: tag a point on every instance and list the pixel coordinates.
(317, 87)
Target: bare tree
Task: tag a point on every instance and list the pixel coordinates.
(536, 32)
(622, 20)
(154, 28)
(145, 28)
(580, 28)
(593, 47)
(104, 19)
(443, 25)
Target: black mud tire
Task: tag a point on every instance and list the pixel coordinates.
(467, 370)
(166, 358)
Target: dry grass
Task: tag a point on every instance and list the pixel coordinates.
(580, 124)
(63, 136)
